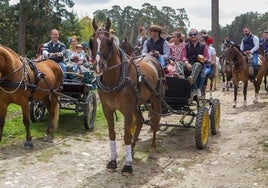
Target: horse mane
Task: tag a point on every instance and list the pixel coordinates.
(239, 49)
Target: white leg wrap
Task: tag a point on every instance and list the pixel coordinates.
(128, 155)
(113, 149)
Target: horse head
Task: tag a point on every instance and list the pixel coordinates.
(101, 45)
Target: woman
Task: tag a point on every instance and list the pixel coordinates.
(176, 49)
(77, 60)
(209, 66)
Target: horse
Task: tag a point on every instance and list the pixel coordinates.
(261, 52)
(226, 73)
(124, 84)
(127, 47)
(240, 72)
(131, 51)
(22, 81)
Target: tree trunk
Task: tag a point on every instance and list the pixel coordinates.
(22, 27)
(215, 24)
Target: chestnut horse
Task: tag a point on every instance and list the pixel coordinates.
(240, 72)
(124, 85)
(261, 52)
(22, 81)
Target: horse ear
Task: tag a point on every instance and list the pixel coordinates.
(95, 26)
(108, 25)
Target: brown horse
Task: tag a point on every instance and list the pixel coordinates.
(127, 47)
(261, 52)
(226, 73)
(123, 85)
(21, 81)
(240, 72)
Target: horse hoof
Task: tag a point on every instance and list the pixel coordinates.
(127, 170)
(234, 106)
(47, 138)
(28, 145)
(244, 106)
(111, 166)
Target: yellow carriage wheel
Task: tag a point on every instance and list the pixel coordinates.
(202, 127)
(215, 116)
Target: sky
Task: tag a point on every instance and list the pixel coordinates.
(198, 11)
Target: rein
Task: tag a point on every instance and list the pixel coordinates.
(20, 85)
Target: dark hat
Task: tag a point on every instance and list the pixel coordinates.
(265, 31)
(156, 28)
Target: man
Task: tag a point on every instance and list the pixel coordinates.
(194, 56)
(116, 39)
(156, 45)
(55, 50)
(141, 39)
(250, 45)
(264, 42)
(226, 43)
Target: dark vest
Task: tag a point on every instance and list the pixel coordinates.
(248, 43)
(158, 45)
(59, 47)
(194, 51)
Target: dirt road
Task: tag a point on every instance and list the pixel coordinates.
(236, 157)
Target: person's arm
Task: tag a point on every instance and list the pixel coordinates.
(145, 49)
(242, 46)
(45, 52)
(206, 55)
(166, 50)
(256, 44)
(213, 59)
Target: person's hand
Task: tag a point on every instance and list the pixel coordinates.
(51, 54)
(247, 52)
(189, 66)
(171, 62)
(201, 58)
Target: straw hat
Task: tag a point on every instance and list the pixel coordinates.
(156, 28)
(79, 46)
(112, 31)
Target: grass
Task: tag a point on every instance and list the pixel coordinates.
(70, 124)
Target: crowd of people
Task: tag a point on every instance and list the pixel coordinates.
(192, 58)
(71, 60)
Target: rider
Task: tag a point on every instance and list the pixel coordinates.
(141, 39)
(250, 45)
(55, 50)
(264, 42)
(194, 55)
(156, 45)
(116, 39)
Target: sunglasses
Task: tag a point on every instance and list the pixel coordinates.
(192, 34)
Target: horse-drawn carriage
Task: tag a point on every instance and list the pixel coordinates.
(75, 95)
(181, 99)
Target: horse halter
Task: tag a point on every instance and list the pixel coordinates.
(101, 35)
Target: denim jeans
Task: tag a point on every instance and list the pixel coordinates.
(206, 72)
(162, 61)
(255, 60)
(64, 68)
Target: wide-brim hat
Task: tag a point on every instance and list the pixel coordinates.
(156, 28)
(79, 46)
(111, 31)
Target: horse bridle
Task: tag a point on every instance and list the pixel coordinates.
(106, 57)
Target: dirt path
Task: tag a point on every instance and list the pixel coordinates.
(234, 158)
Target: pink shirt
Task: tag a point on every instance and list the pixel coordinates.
(176, 51)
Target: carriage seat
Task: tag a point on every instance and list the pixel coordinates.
(179, 92)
